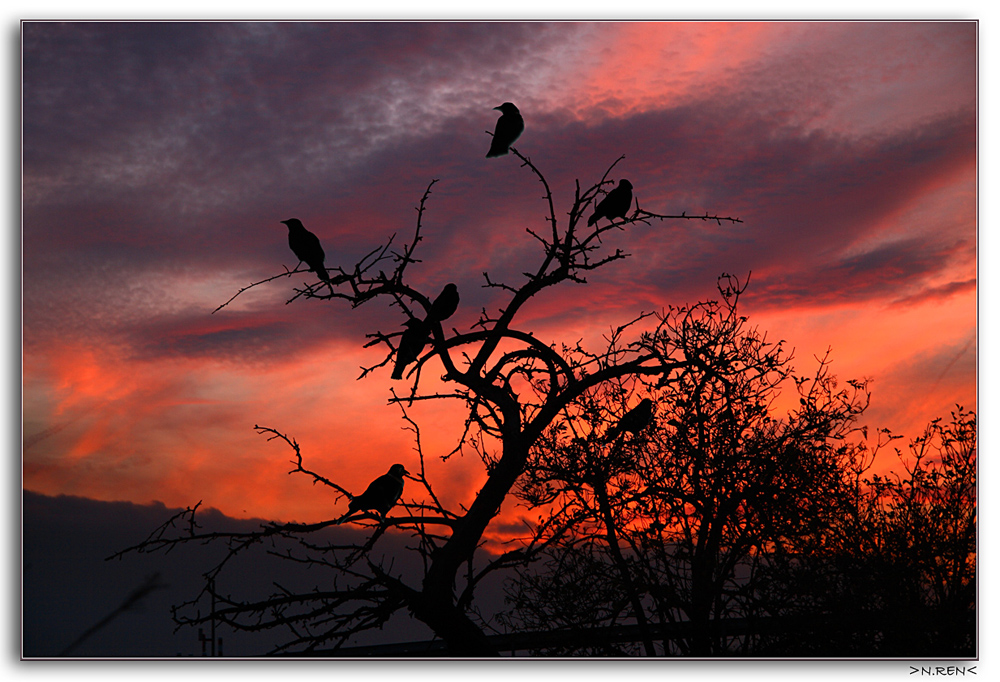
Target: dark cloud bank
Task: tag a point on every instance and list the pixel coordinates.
(68, 586)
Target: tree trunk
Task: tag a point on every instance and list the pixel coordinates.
(701, 609)
(463, 637)
(600, 488)
(436, 604)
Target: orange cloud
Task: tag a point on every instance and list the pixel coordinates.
(170, 418)
(178, 430)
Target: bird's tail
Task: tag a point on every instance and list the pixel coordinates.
(323, 274)
(612, 433)
(397, 372)
(592, 219)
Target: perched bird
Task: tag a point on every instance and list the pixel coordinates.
(445, 305)
(510, 125)
(381, 494)
(634, 421)
(411, 343)
(306, 247)
(615, 205)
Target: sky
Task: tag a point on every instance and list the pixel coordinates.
(159, 158)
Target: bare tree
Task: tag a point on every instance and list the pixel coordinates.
(514, 388)
(683, 512)
(895, 571)
(724, 529)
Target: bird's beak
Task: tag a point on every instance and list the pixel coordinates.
(496, 108)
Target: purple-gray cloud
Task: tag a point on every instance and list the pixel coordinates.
(203, 136)
(69, 586)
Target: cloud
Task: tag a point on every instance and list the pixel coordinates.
(212, 196)
(271, 336)
(68, 585)
(159, 158)
(241, 107)
(872, 276)
(939, 292)
(941, 372)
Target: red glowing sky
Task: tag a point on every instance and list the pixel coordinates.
(159, 158)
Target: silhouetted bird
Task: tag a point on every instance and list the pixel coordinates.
(411, 343)
(381, 494)
(634, 421)
(305, 245)
(510, 125)
(445, 305)
(615, 205)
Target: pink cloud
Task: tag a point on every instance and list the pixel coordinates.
(849, 150)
